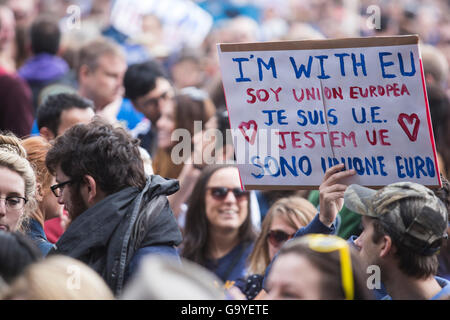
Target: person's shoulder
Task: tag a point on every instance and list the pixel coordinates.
(33, 227)
(161, 250)
(157, 249)
(444, 284)
(442, 281)
(248, 245)
(243, 248)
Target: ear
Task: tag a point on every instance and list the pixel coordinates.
(386, 246)
(39, 192)
(46, 133)
(136, 105)
(228, 152)
(90, 190)
(83, 72)
(429, 78)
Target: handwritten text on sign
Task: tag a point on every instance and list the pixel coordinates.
(297, 108)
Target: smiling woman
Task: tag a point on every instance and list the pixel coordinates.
(218, 233)
(17, 184)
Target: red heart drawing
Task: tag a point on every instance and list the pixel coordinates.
(251, 125)
(412, 118)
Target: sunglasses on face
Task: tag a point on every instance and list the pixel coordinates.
(220, 193)
(278, 237)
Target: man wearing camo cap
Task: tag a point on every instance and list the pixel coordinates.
(404, 227)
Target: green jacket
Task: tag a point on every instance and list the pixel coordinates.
(350, 221)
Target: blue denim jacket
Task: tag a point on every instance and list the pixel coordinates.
(36, 232)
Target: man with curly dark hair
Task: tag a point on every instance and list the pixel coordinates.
(119, 214)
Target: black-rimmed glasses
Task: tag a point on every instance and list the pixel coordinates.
(57, 189)
(15, 202)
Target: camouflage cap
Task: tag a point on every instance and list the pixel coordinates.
(420, 228)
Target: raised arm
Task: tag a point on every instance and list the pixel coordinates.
(331, 201)
(331, 193)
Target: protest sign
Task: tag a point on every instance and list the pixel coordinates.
(184, 22)
(297, 108)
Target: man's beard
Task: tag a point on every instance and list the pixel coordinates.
(78, 205)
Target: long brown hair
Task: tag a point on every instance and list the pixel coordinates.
(196, 231)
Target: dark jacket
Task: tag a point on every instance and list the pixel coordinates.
(232, 266)
(107, 236)
(43, 68)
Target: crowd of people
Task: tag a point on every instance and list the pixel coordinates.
(98, 200)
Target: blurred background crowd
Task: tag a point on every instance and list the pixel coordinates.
(182, 35)
(152, 67)
(173, 30)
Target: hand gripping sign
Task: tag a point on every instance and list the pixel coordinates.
(297, 108)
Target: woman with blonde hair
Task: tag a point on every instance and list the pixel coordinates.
(47, 203)
(58, 278)
(283, 219)
(17, 184)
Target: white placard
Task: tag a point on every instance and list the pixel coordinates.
(184, 22)
(298, 107)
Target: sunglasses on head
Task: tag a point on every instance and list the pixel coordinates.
(329, 243)
(220, 193)
(277, 237)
